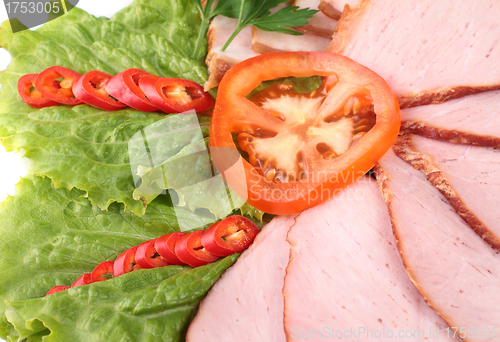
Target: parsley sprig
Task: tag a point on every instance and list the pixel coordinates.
(251, 12)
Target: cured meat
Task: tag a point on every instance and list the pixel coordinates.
(218, 61)
(265, 42)
(345, 273)
(334, 8)
(320, 24)
(428, 51)
(246, 304)
(455, 270)
(468, 176)
(473, 120)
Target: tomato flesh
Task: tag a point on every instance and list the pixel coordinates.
(90, 89)
(99, 272)
(83, 280)
(165, 246)
(175, 95)
(146, 256)
(302, 148)
(190, 250)
(58, 288)
(56, 84)
(125, 88)
(32, 97)
(229, 236)
(125, 262)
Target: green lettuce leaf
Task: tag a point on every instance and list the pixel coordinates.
(52, 236)
(83, 147)
(144, 305)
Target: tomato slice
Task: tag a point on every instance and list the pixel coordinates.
(146, 255)
(190, 250)
(125, 262)
(165, 246)
(229, 236)
(56, 84)
(83, 280)
(175, 95)
(101, 270)
(125, 87)
(90, 89)
(302, 148)
(57, 288)
(32, 97)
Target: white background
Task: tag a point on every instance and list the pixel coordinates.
(12, 165)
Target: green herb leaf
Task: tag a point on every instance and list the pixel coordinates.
(289, 16)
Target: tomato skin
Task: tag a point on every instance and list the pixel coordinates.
(34, 98)
(125, 88)
(190, 250)
(233, 113)
(90, 89)
(175, 95)
(125, 262)
(62, 92)
(145, 256)
(229, 236)
(56, 289)
(83, 280)
(103, 268)
(165, 246)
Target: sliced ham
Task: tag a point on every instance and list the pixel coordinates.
(473, 120)
(246, 304)
(428, 51)
(334, 8)
(218, 61)
(319, 25)
(266, 42)
(468, 176)
(455, 270)
(345, 273)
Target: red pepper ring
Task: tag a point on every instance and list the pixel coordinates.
(83, 280)
(101, 270)
(176, 95)
(146, 255)
(90, 89)
(56, 289)
(125, 262)
(56, 84)
(165, 246)
(32, 97)
(190, 250)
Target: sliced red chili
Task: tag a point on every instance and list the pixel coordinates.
(146, 255)
(57, 288)
(175, 95)
(100, 271)
(125, 262)
(32, 97)
(125, 87)
(83, 280)
(90, 89)
(165, 246)
(56, 84)
(190, 250)
(229, 236)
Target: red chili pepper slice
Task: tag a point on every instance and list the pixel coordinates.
(175, 95)
(56, 84)
(32, 97)
(99, 272)
(125, 87)
(90, 89)
(146, 255)
(190, 250)
(56, 289)
(83, 280)
(165, 246)
(125, 262)
(229, 236)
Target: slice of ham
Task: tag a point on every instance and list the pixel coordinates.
(455, 270)
(246, 304)
(345, 273)
(468, 176)
(334, 8)
(473, 120)
(218, 61)
(266, 42)
(428, 51)
(320, 24)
